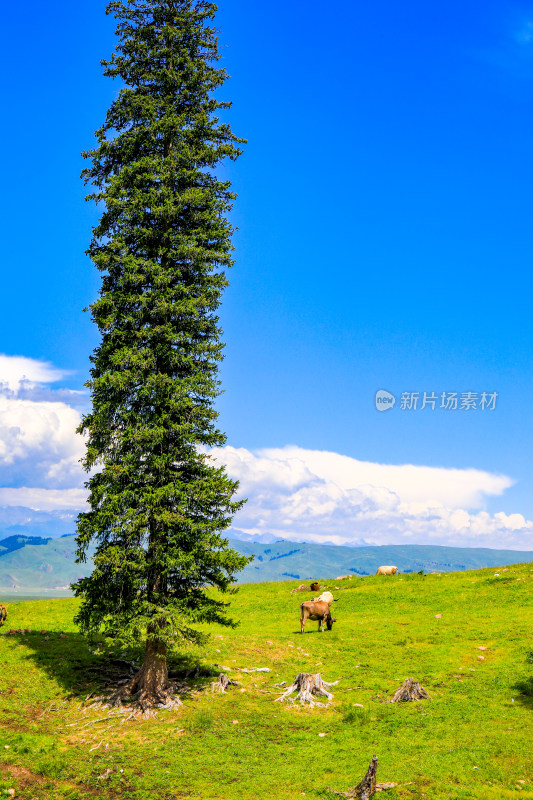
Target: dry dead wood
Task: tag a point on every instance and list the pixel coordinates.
(409, 690)
(222, 683)
(308, 684)
(368, 786)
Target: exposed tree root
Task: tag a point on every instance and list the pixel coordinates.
(409, 690)
(368, 786)
(146, 698)
(308, 684)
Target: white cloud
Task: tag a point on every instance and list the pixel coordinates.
(44, 499)
(41, 477)
(321, 496)
(17, 370)
(39, 444)
(293, 493)
(455, 488)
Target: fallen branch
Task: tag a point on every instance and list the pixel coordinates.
(308, 684)
(94, 721)
(253, 669)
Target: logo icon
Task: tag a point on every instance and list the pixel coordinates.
(384, 400)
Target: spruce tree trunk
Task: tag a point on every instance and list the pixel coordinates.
(151, 682)
(150, 685)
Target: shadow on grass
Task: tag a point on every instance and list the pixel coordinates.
(525, 689)
(83, 669)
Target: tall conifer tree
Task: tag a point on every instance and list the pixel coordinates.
(158, 503)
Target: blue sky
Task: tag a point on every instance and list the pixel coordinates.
(384, 242)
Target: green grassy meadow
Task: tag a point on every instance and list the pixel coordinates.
(473, 739)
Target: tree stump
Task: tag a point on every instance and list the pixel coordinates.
(222, 684)
(368, 786)
(308, 684)
(409, 690)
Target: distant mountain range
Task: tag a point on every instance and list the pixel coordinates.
(35, 565)
(284, 560)
(32, 565)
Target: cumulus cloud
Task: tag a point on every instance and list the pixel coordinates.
(17, 370)
(29, 379)
(39, 445)
(455, 488)
(309, 495)
(294, 493)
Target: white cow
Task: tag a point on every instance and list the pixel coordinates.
(387, 570)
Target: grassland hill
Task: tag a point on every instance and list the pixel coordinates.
(44, 566)
(465, 636)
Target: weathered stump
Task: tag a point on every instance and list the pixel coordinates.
(3, 614)
(308, 684)
(409, 690)
(368, 786)
(222, 684)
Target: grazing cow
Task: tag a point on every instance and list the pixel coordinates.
(3, 615)
(314, 586)
(387, 571)
(327, 597)
(318, 611)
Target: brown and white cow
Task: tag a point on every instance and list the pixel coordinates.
(317, 611)
(387, 570)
